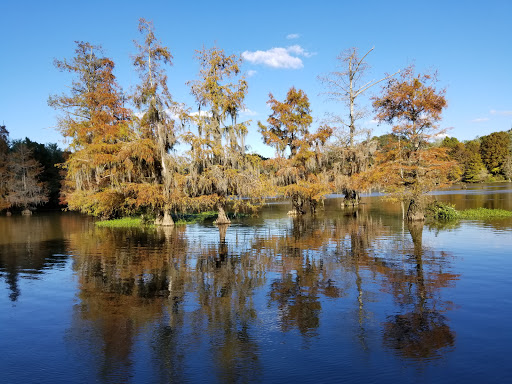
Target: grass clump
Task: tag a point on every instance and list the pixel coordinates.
(484, 213)
(178, 218)
(447, 212)
(125, 222)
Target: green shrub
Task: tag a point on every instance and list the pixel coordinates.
(441, 211)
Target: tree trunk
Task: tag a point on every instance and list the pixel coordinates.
(221, 217)
(312, 206)
(298, 207)
(166, 220)
(351, 199)
(415, 211)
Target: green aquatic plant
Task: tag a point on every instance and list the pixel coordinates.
(484, 213)
(446, 212)
(147, 221)
(125, 222)
(441, 211)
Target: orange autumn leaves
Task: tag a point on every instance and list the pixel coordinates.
(126, 162)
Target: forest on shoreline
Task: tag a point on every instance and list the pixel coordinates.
(147, 154)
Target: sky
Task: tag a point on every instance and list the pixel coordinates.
(283, 43)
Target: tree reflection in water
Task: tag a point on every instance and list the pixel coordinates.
(422, 332)
(224, 282)
(122, 288)
(29, 245)
(193, 297)
(125, 288)
(304, 277)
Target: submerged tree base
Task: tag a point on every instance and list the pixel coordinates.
(415, 211)
(221, 217)
(351, 199)
(165, 221)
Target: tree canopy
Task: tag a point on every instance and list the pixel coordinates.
(409, 167)
(145, 153)
(299, 170)
(97, 125)
(219, 170)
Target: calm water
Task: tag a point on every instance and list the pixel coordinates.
(345, 297)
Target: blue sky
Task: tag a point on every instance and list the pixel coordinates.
(286, 43)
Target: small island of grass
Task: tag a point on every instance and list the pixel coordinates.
(484, 213)
(133, 222)
(447, 212)
(124, 222)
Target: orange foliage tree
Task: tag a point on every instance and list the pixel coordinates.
(97, 125)
(219, 170)
(410, 167)
(299, 169)
(155, 134)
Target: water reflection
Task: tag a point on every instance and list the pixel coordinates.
(224, 304)
(29, 246)
(123, 285)
(198, 291)
(421, 330)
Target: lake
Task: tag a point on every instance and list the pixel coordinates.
(347, 296)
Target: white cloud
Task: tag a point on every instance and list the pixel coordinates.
(501, 113)
(201, 113)
(251, 72)
(480, 120)
(292, 36)
(278, 57)
(298, 50)
(248, 112)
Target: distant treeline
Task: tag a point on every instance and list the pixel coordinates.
(29, 174)
(487, 158)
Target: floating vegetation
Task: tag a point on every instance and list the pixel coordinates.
(447, 212)
(134, 222)
(125, 222)
(484, 213)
